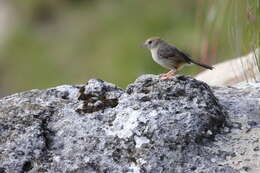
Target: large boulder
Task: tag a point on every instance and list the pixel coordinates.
(153, 126)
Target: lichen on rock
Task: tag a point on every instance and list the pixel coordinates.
(152, 126)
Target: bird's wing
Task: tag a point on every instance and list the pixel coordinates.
(170, 52)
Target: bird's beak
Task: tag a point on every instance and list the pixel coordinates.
(143, 45)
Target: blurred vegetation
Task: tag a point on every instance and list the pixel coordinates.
(69, 41)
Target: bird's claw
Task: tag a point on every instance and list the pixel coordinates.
(166, 76)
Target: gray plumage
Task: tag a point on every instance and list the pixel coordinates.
(169, 56)
(170, 52)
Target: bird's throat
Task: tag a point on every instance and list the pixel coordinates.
(154, 53)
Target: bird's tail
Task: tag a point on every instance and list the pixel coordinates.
(203, 65)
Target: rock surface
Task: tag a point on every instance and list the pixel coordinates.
(152, 126)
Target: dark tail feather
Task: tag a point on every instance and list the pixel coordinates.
(203, 65)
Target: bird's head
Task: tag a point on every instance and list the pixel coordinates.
(152, 42)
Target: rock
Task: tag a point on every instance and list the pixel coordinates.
(242, 103)
(152, 126)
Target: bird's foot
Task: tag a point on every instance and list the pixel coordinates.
(167, 76)
(164, 74)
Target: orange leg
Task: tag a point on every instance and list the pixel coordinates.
(167, 76)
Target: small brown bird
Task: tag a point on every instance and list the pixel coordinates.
(169, 56)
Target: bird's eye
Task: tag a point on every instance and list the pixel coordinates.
(150, 42)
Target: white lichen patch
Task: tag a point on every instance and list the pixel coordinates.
(73, 91)
(134, 168)
(141, 161)
(124, 124)
(140, 141)
(154, 113)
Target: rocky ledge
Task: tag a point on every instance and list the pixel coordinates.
(180, 125)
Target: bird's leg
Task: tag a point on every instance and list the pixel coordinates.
(167, 76)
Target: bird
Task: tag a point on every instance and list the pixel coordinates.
(169, 56)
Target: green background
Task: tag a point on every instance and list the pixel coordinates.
(56, 42)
